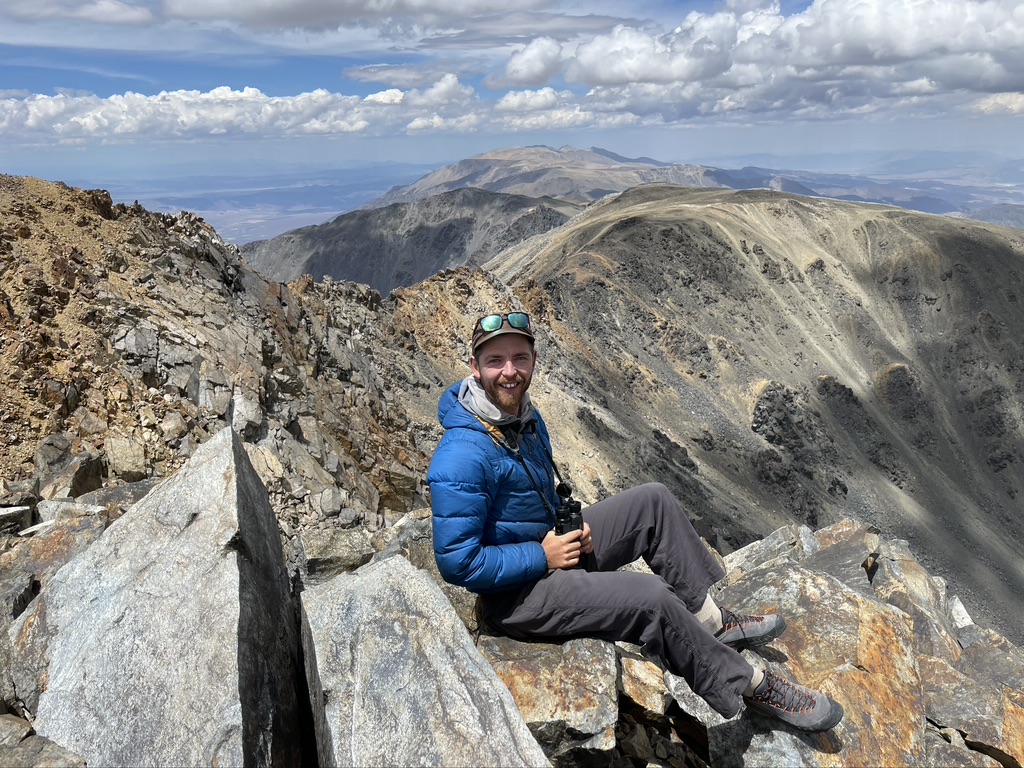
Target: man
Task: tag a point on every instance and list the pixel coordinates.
(493, 494)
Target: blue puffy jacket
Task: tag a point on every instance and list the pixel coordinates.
(488, 517)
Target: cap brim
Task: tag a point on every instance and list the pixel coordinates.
(504, 329)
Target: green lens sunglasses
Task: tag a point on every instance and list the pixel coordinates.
(518, 320)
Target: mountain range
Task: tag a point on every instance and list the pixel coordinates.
(412, 231)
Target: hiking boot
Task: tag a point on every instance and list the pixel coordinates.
(794, 704)
(749, 631)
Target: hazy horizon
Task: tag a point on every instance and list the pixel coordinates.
(258, 205)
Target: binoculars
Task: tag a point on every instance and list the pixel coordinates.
(568, 517)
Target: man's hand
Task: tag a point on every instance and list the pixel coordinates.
(586, 544)
(564, 551)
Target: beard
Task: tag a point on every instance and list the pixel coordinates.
(508, 401)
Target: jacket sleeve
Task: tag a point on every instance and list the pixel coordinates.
(460, 498)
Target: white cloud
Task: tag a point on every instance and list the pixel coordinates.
(400, 76)
(837, 57)
(446, 92)
(560, 119)
(185, 114)
(676, 102)
(535, 64)
(390, 96)
(475, 65)
(1001, 104)
(437, 124)
(629, 55)
(848, 31)
(445, 105)
(921, 87)
(114, 12)
(531, 101)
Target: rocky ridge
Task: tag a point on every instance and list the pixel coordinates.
(404, 243)
(190, 583)
(790, 358)
(134, 336)
(131, 340)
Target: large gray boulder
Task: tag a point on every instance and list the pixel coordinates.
(171, 640)
(395, 679)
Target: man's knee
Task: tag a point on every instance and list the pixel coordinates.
(654, 492)
(650, 592)
(658, 499)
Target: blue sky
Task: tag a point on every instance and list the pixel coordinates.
(122, 89)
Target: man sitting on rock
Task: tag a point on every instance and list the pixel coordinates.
(494, 499)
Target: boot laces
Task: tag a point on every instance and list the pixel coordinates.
(730, 619)
(784, 695)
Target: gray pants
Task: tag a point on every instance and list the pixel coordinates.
(656, 611)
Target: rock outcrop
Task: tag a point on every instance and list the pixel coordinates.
(395, 679)
(869, 626)
(171, 640)
(157, 336)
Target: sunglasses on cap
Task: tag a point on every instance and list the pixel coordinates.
(491, 323)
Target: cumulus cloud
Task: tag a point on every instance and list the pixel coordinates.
(631, 55)
(558, 119)
(535, 64)
(1001, 104)
(436, 124)
(470, 66)
(836, 57)
(850, 32)
(531, 101)
(186, 114)
(247, 112)
(390, 96)
(446, 92)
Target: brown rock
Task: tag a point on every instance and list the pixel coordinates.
(991, 721)
(566, 693)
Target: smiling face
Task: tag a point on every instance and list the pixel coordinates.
(504, 367)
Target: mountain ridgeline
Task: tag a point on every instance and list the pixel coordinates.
(404, 243)
(469, 210)
(771, 357)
